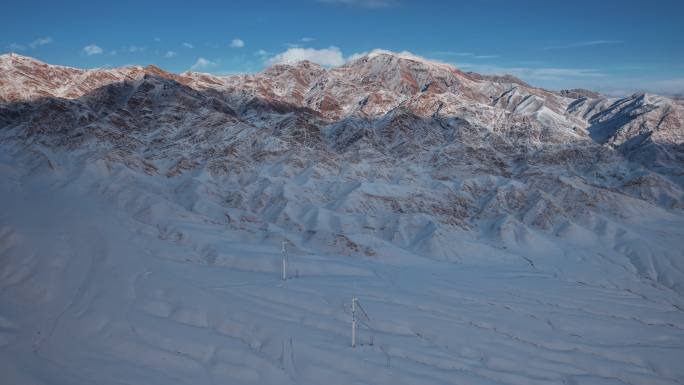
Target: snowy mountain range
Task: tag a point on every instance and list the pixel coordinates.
(387, 164)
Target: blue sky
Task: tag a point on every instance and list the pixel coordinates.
(609, 45)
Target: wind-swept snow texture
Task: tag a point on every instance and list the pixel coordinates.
(495, 233)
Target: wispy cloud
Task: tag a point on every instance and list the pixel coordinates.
(40, 42)
(202, 64)
(331, 56)
(32, 45)
(299, 42)
(668, 87)
(237, 43)
(92, 49)
(557, 73)
(622, 87)
(170, 54)
(135, 49)
(584, 44)
(187, 45)
(362, 3)
(462, 54)
(452, 53)
(534, 73)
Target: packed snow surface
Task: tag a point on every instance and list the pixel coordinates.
(104, 281)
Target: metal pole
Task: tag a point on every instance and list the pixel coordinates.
(354, 299)
(284, 262)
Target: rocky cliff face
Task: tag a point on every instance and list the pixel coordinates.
(387, 150)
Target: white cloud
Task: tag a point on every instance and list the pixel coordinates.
(357, 55)
(261, 52)
(403, 54)
(466, 54)
(135, 48)
(202, 63)
(452, 53)
(544, 76)
(666, 87)
(237, 43)
(187, 45)
(623, 87)
(158, 40)
(307, 39)
(331, 56)
(92, 49)
(561, 72)
(170, 54)
(16, 47)
(32, 45)
(533, 73)
(361, 3)
(41, 41)
(584, 44)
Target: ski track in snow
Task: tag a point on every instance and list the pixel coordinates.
(93, 292)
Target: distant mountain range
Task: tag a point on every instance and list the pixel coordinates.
(495, 232)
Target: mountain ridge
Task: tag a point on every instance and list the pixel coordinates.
(495, 232)
(502, 155)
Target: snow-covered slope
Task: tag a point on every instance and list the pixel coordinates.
(495, 232)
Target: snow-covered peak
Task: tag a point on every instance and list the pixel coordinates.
(17, 59)
(388, 56)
